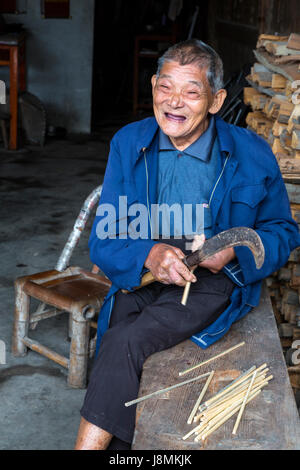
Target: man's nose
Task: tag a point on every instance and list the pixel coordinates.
(175, 100)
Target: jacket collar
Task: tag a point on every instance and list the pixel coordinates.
(150, 127)
(226, 141)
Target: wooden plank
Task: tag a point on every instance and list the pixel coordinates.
(277, 128)
(293, 191)
(294, 41)
(270, 421)
(249, 93)
(266, 91)
(278, 81)
(294, 119)
(289, 165)
(279, 48)
(295, 280)
(296, 139)
(287, 58)
(269, 37)
(290, 71)
(277, 147)
(285, 111)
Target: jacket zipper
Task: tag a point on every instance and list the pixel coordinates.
(147, 189)
(209, 203)
(217, 182)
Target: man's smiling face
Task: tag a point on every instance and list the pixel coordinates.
(182, 99)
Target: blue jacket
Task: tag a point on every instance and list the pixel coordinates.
(249, 192)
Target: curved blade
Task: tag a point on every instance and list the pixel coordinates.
(237, 236)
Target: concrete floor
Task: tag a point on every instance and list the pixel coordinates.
(42, 190)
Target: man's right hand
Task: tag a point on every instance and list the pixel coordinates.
(164, 262)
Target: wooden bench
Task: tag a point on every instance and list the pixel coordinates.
(270, 421)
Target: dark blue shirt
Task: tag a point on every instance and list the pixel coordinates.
(185, 182)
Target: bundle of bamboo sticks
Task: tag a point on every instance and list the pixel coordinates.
(231, 399)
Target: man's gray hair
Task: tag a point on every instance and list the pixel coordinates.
(194, 51)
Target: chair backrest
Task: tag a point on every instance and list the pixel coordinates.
(78, 228)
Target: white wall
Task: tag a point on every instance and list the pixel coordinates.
(60, 62)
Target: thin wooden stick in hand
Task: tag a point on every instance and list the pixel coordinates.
(187, 290)
(196, 245)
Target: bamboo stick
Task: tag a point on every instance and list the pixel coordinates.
(207, 416)
(145, 397)
(219, 416)
(196, 406)
(234, 384)
(187, 289)
(223, 420)
(212, 358)
(228, 391)
(192, 431)
(208, 404)
(229, 402)
(236, 405)
(227, 387)
(235, 381)
(243, 404)
(205, 426)
(236, 390)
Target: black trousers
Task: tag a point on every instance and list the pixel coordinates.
(144, 322)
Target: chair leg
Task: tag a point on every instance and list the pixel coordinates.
(79, 351)
(4, 133)
(21, 320)
(70, 326)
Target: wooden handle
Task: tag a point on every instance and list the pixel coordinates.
(148, 278)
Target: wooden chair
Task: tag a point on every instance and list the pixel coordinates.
(64, 289)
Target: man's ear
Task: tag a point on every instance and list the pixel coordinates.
(153, 81)
(218, 101)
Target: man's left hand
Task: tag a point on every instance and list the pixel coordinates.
(216, 262)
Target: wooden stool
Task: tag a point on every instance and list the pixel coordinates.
(64, 289)
(76, 291)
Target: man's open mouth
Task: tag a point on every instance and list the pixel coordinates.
(175, 117)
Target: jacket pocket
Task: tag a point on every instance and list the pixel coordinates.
(250, 195)
(245, 202)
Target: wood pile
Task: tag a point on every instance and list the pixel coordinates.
(274, 96)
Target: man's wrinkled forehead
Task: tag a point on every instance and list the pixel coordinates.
(193, 73)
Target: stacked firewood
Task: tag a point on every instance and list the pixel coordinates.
(274, 96)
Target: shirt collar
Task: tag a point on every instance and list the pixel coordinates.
(201, 148)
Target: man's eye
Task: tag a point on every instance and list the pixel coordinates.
(164, 87)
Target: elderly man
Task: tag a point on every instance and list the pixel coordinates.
(188, 156)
